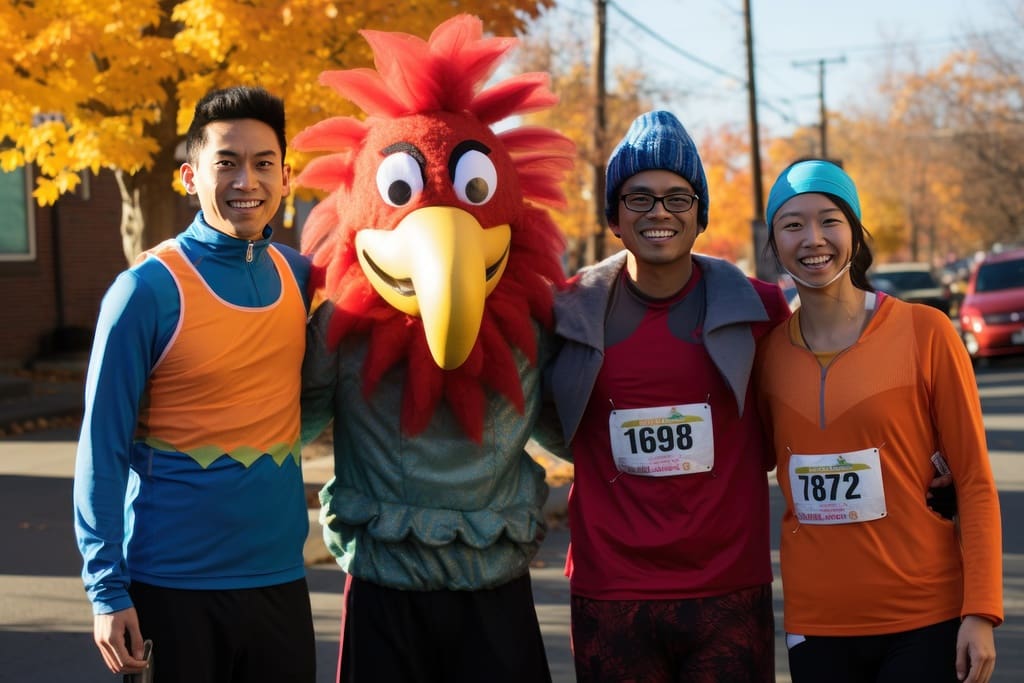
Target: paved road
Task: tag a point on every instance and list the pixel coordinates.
(45, 621)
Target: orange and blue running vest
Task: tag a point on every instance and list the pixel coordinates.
(200, 399)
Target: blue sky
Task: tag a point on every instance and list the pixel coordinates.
(708, 60)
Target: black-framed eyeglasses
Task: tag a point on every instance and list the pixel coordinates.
(642, 202)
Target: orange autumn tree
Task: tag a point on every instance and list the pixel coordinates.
(908, 195)
(911, 196)
(563, 51)
(881, 205)
(968, 112)
(86, 89)
(725, 152)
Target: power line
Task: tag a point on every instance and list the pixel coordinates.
(890, 46)
(675, 48)
(742, 82)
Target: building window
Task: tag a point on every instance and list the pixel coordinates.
(17, 224)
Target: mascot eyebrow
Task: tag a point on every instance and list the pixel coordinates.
(462, 148)
(410, 149)
(413, 151)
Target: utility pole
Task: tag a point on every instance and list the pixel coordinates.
(755, 136)
(600, 123)
(821, 97)
(763, 268)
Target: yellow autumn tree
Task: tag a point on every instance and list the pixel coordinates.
(968, 112)
(899, 176)
(92, 86)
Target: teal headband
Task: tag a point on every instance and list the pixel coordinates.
(811, 176)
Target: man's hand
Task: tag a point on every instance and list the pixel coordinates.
(119, 639)
(975, 650)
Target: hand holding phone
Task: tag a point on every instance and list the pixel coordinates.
(146, 675)
(942, 498)
(940, 463)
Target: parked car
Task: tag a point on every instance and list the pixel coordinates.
(954, 275)
(992, 312)
(911, 281)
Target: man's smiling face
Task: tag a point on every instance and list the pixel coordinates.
(239, 177)
(657, 238)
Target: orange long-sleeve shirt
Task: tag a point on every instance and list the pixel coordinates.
(906, 387)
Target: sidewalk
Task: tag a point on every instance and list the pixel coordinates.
(51, 394)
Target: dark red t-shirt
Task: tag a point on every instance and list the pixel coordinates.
(686, 536)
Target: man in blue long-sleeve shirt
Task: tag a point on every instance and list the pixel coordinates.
(189, 506)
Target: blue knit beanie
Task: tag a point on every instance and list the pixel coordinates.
(655, 140)
(814, 175)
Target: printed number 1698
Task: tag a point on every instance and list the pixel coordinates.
(664, 438)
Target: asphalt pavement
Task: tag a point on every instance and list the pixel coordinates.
(46, 621)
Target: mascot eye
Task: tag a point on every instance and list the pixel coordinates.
(475, 178)
(399, 179)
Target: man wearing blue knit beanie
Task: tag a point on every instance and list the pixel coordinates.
(669, 564)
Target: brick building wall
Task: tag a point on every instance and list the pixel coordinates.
(49, 305)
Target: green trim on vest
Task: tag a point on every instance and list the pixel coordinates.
(246, 455)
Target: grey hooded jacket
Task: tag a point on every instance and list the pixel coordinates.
(732, 305)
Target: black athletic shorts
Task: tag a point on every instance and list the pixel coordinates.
(253, 635)
(923, 655)
(442, 636)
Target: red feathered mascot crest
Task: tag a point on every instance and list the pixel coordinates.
(433, 242)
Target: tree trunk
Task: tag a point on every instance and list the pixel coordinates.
(148, 210)
(132, 223)
(149, 202)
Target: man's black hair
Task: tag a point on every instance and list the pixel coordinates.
(238, 102)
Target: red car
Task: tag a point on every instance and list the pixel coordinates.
(992, 312)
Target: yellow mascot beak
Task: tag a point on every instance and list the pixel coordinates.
(438, 264)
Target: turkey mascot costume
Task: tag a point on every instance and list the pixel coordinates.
(436, 261)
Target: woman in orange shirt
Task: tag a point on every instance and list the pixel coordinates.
(859, 390)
